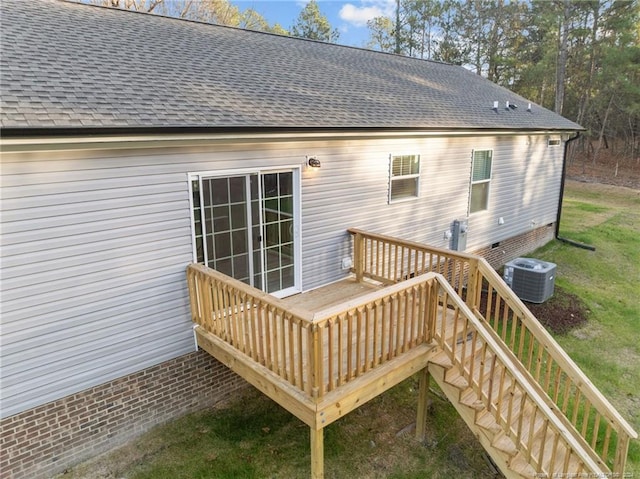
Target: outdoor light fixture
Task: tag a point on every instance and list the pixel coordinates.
(313, 162)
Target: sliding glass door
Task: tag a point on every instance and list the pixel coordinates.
(245, 227)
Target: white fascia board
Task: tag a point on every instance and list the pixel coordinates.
(177, 140)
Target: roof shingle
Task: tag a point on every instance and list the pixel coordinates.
(64, 64)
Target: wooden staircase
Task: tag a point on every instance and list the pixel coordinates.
(502, 448)
(529, 404)
(499, 401)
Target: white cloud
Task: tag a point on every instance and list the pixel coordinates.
(367, 10)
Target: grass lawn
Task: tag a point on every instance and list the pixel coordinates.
(607, 348)
(252, 437)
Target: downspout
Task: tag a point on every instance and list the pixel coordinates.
(564, 173)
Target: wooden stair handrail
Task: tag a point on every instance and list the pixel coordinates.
(523, 380)
(576, 374)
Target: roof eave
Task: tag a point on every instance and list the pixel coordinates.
(102, 132)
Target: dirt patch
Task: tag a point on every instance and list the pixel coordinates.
(609, 168)
(561, 313)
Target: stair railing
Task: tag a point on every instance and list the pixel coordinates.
(593, 418)
(515, 405)
(581, 403)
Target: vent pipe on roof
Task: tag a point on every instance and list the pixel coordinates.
(495, 106)
(506, 105)
(529, 107)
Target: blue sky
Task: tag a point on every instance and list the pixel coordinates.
(349, 17)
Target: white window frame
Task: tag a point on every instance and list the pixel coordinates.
(392, 178)
(486, 181)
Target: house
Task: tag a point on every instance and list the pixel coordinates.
(133, 145)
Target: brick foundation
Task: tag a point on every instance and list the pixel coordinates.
(500, 253)
(45, 440)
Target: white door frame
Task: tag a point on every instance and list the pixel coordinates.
(297, 215)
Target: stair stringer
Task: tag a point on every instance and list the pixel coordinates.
(501, 458)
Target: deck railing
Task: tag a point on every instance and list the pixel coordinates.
(313, 351)
(517, 408)
(254, 323)
(356, 337)
(593, 419)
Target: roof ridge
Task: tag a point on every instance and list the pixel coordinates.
(249, 30)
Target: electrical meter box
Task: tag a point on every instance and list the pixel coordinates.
(533, 280)
(459, 235)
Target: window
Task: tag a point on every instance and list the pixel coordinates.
(553, 142)
(404, 177)
(480, 179)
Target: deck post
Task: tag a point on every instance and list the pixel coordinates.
(317, 453)
(473, 285)
(423, 406)
(358, 257)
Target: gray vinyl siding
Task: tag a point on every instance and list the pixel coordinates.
(525, 189)
(94, 243)
(351, 190)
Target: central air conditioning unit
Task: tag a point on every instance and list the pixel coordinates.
(531, 279)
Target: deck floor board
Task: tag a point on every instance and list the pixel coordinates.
(331, 294)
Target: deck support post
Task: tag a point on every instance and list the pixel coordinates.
(423, 406)
(317, 453)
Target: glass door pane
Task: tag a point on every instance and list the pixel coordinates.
(278, 230)
(226, 229)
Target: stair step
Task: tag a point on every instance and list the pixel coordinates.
(486, 421)
(504, 443)
(498, 385)
(453, 377)
(469, 398)
(519, 465)
(441, 359)
(550, 447)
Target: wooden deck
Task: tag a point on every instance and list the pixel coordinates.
(413, 309)
(332, 294)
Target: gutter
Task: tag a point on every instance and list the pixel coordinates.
(564, 173)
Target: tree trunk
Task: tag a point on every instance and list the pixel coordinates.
(561, 68)
(398, 49)
(601, 136)
(592, 65)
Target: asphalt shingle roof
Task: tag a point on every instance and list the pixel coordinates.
(67, 65)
